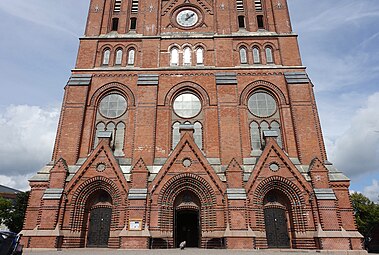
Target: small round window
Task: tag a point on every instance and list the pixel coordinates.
(187, 105)
(262, 104)
(113, 106)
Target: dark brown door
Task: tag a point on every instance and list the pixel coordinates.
(276, 228)
(99, 227)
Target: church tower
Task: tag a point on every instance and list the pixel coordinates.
(189, 120)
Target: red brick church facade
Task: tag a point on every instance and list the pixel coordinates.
(189, 120)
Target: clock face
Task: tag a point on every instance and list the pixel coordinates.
(187, 18)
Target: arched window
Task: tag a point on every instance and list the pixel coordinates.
(256, 55)
(175, 134)
(263, 110)
(187, 56)
(269, 57)
(110, 113)
(106, 56)
(119, 139)
(198, 134)
(99, 128)
(118, 60)
(131, 57)
(275, 126)
(199, 56)
(174, 56)
(243, 55)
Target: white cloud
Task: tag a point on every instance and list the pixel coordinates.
(372, 191)
(356, 150)
(27, 137)
(56, 15)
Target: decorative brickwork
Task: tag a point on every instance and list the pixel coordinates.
(193, 121)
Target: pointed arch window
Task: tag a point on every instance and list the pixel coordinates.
(269, 56)
(131, 57)
(243, 55)
(187, 56)
(256, 55)
(106, 56)
(118, 60)
(199, 56)
(174, 56)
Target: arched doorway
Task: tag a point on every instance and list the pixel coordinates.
(187, 219)
(277, 216)
(100, 216)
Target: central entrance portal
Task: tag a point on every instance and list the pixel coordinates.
(187, 219)
(187, 228)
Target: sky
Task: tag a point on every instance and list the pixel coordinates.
(339, 44)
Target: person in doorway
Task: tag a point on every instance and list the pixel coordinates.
(182, 245)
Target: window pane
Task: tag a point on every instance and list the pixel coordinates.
(255, 136)
(175, 134)
(118, 57)
(131, 57)
(276, 127)
(269, 57)
(243, 56)
(257, 58)
(198, 135)
(199, 56)
(262, 104)
(113, 106)
(187, 105)
(174, 57)
(187, 56)
(106, 56)
(119, 139)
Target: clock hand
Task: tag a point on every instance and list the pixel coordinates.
(189, 16)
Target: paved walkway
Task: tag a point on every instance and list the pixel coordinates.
(187, 251)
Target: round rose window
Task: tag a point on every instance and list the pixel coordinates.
(113, 106)
(262, 104)
(187, 105)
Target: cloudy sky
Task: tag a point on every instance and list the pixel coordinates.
(339, 42)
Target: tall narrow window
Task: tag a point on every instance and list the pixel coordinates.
(118, 60)
(243, 55)
(241, 21)
(256, 55)
(114, 24)
(199, 56)
(269, 57)
(106, 56)
(99, 128)
(119, 139)
(133, 23)
(111, 128)
(187, 56)
(260, 22)
(258, 5)
(174, 56)
(198, 134)
(255, 136)
(175, 134)
(117, 5)
(131, 57)
(276, 127)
